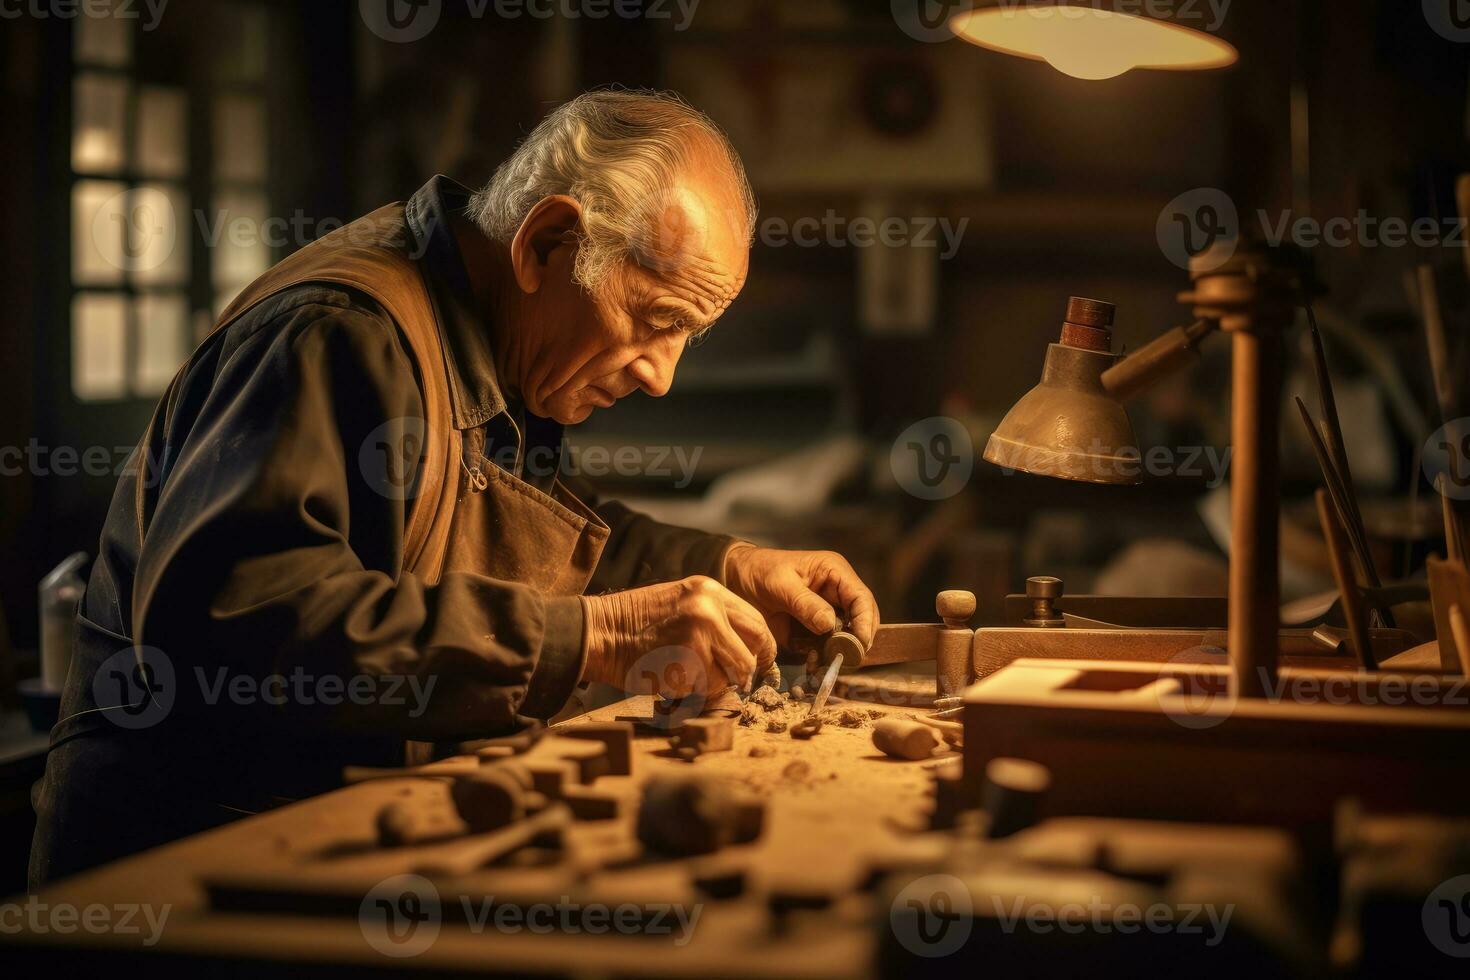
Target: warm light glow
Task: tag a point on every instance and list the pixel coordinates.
(1086, 42)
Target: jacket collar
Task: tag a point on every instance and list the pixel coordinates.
(474, 390)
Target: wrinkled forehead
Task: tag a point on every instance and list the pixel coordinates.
(700, 219)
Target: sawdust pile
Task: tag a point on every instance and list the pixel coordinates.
(771, 711)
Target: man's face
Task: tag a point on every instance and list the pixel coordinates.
(593, 348)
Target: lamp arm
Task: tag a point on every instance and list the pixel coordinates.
(1163, 355)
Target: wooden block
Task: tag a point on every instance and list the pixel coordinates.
(590, 755)
(617, 736)
(587, 804)
(706, 735)
(489, 799)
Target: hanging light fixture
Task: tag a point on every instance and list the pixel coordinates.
(1091, 39)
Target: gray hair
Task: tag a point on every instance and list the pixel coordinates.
(616, 152)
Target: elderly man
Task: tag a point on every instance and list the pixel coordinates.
(345, 528)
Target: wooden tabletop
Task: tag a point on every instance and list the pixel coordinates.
(835, 808)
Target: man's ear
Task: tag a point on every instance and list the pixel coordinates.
(550, 225)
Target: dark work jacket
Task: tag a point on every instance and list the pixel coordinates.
(273, 561)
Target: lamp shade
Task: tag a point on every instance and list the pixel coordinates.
(1091, 42)
(1069, 426)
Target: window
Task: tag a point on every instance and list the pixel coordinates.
(140, 301)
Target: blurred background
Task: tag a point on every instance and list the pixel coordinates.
(157, 157)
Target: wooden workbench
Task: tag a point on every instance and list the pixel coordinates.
(824, 830)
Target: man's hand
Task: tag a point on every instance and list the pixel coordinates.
(693, 636)
(814, 588)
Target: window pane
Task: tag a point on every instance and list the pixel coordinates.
(98, 217)
(163, 323)
(236, 230)
(242, 57)
(158, 240)
(99, 345)
(99, 118)
(162, 143)
(102, 36)
(239, 138)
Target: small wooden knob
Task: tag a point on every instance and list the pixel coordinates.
(955, 607)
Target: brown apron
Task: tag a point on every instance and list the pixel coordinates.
(484, 521)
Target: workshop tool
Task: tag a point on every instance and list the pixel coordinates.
(903, 738)
(1331, 426)
(825, 691)
(1013, 795)
(1353, 606)
(1340, 496)
(1439, 350)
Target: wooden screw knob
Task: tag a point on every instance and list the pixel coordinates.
(955, 608)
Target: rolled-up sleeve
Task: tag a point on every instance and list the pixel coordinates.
(272, 552)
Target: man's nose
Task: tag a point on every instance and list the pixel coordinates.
(654, 368)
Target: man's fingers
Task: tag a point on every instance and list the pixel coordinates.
(733, 657)
(842, 587)
(753, 630)
(811, 610)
